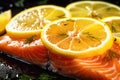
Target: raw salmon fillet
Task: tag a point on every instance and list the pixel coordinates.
(104, 67)
(34, 52)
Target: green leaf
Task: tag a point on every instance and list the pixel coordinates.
(19, 3)
(25, 77)
(45, 76)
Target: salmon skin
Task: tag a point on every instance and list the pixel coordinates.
(34, 52)
(103, 67)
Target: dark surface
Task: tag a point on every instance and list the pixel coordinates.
(11, 68)
(18, 5)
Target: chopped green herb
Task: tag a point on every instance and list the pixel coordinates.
(113, 28)
(111, 55)
(65, 24)
(61, 16)
(63, 34)
(111, 8)
(30, 39)
(91, 36)
(70, 20)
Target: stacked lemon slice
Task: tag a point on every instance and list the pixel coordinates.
(93, 9)
(77, 37)
(31, 21)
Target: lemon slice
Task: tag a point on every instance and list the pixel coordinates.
(94, 9)
(77, 37)
(114, 25)
(30, 21)
(4, 19)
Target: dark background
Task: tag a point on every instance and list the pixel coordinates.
(18, 5)
(14, 69)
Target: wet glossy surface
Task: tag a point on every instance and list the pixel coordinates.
(12, 68)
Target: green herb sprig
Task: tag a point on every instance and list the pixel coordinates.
(89, 35)
(43, 76)
(111, 55)
(30, 39)
(19, 3)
